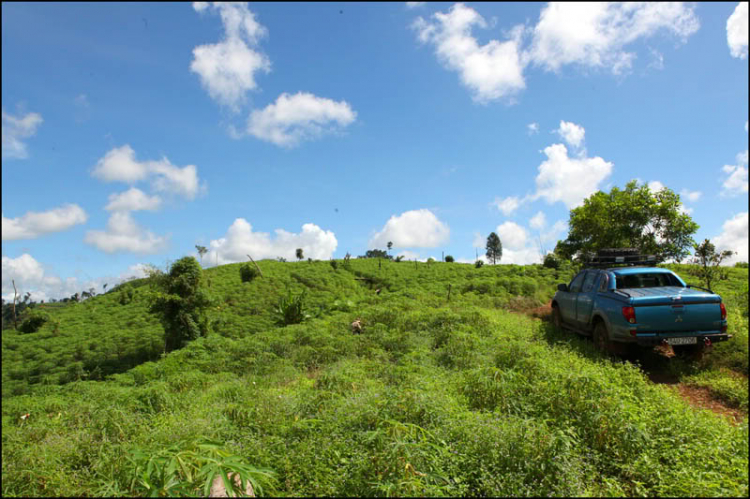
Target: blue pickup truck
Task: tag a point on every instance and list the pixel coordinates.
(644, 306)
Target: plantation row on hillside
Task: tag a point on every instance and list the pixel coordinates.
(433, 396)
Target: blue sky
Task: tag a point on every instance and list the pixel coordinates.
(133, 132)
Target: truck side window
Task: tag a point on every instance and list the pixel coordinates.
(575, 284)
(588, 283)
(603, 283)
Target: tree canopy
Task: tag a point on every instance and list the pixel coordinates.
(494, 248)
(181, 302)
(634, 217)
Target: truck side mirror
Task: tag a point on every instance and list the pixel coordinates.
(562, 287)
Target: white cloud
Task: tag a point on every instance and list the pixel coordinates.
(133, 200)
(538, 221)
(15, 128)
(737, 178)
(302, 116)
(240, 241)
(656, 186)
(227, 69)
(691, 196)
(734, 237)
(35, 224)
(594, 34)
(411, 255)
(123, 234)
(412, 229)
(414, 5)
(737, 32)
(569, 180)
(571, 133)
(31, 276)
(120, 165)
(492, 71)
(507, 205)
(533, 128)
(512, 236)
(479, 241)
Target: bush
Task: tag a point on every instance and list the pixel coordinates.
(248, 272)
(551, 261)
(449, 259)
(34, 321)
(478, 263)
(291, 309)
(334, 264)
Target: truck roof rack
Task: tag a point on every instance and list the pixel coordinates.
(612, 259)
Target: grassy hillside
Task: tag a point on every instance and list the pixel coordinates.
(434, 397)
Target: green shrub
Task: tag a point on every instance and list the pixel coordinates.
(478, 263)
(34, 321)
(291, 309)
(551, 261)
(248, 272)
(334, 264)
(449, 259)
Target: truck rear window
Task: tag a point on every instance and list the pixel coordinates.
(646, 280)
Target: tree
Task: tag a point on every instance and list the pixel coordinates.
(633, 217)
(390, 245)
(494, 248)
(449, 258)
(202, 250)
(376, 253)
(104, 287)
(709, 260)
(300, 256)
(181, 302)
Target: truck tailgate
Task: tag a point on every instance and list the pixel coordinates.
(676, 310)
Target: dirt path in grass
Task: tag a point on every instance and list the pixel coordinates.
(694, 395)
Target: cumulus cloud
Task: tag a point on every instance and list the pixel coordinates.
(133, 200)
(240, 241)
(492, 71)
(571, 133)
(538, 221)
(31, 276)
(737, 31)
(736, 181)
(123, 234)
(16, 128)
(691, 196)
(121, 165)
(412, 229)
(734, 237)
(34, 224)
(656, 186)
(414, 5)
(532, 128)
(512, 235)
(594, 34)
(507, 205)
(302, 116)
(569, 180)
(227, 69)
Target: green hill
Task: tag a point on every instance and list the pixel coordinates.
(435, 396)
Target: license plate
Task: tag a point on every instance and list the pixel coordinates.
(690, 340)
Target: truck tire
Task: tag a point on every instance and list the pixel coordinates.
(557, 318)
(601, 338)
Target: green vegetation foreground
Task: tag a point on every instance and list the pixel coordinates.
(433, 396)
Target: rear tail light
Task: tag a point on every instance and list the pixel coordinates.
(723, 311)
(629, 314)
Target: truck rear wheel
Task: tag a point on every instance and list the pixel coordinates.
(601, 338)
(557, 317)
